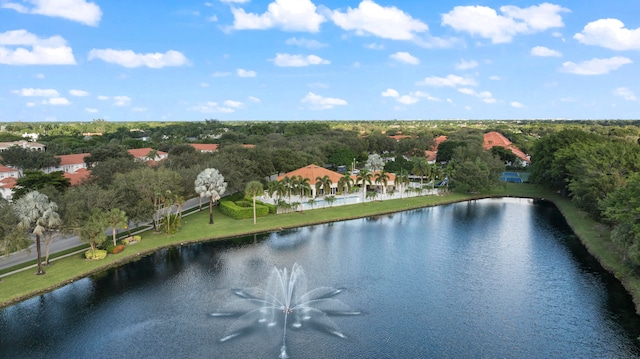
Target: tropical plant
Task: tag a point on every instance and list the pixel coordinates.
(323, 183)
(311, 202)
(382, 179)
(345, 183)
(302, 186)
(210, 183)
(34, 210)
(116, 218)
(420, 168)
(402, 181)
(92, 230)
(253, 189)
(364, 177)
(330, 200)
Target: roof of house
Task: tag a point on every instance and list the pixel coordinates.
(8, 182)
(7, 169)
(143, 152)
(438, 141)
(493, 138)
(430, 155)
(73, 159)
(400, 137)
(77, 177)
(203, 147)
(312, 172)
(248, 145)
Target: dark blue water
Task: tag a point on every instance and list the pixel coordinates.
(496, 278)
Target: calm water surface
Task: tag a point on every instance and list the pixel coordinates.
(496, 278)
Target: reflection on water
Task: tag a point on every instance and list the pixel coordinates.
(482, 279)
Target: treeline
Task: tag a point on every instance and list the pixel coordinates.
(600, 172)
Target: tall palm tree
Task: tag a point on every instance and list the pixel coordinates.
(253, 189)
(364, 177)
(34, 210)
(325, 183)
(210, 183)
(382, 179)
(303, 186)
(434, 173)
(402, 180)
(345, 182)
(420, 168)
(116, 218)
(287, 184)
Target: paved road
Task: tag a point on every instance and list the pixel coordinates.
(61, 244)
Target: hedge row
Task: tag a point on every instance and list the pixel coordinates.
(235, 211)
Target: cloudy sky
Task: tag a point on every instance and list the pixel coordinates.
(77, 60)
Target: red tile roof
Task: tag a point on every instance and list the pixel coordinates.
(143, 152)
(430, 155)
(78, 177)
(312, 172)
(6, 169)
(493, 138)
(74, 159)
(400, 137)
(438, 141)
(8, 182)
(205, 147)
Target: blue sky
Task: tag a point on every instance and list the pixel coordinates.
(78, 60)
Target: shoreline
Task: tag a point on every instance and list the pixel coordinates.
(595, 241)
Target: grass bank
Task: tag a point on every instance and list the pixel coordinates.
(196, 228)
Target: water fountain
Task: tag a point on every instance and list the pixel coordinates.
(284, 302)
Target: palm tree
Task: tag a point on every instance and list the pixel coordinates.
(420, 168)
(345, 182)
(364, 177)
(116, 218)
(402, 180)
(288, 184)
(35, 210)
(303, 187)
(382, 179)
(434, 173)
(253, 189)
(210, 183)
(330, 200)
(325, 183)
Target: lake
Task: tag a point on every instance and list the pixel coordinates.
(493, 278)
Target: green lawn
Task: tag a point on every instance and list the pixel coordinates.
(196, 228)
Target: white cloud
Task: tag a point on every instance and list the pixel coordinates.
(466, 65)
(407, 99)
(221, 74)
(595, 66)
(374, 46)
(128, 58)
(56, 101)
(426, 95)
(254, 99)
(286, 60)
(233, 104)
(103, 98)
(211, 107)
(487, 23)
(39, 76)
(81, 11)
(78, 93)
(405, 57)
(317, 102)
(625, 93)
(318, 85)
(204, 84)
(545, 52)
(288, 15)
(485, 96)
(31, 104)
(370, 18)
(246, 73)
(309, 44)
(212, 18)
(20, 47)
(32, 92)
(390, 93)
(449, 81)
(91, 110)
(494, 78)
(516, 104)
(611, 34)
(121, 100)
(139, 109)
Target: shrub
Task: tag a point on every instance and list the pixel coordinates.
(234, 211)
(117, 249)
(98, 254)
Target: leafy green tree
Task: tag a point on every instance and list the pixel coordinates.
(210, 183)
(103, 153)
(34, 210)
(621, 207)
(420, 168)
(26, 159)
(93, 229)
(116, 218)
(11, 240)
(253, 189)
(37, 180)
